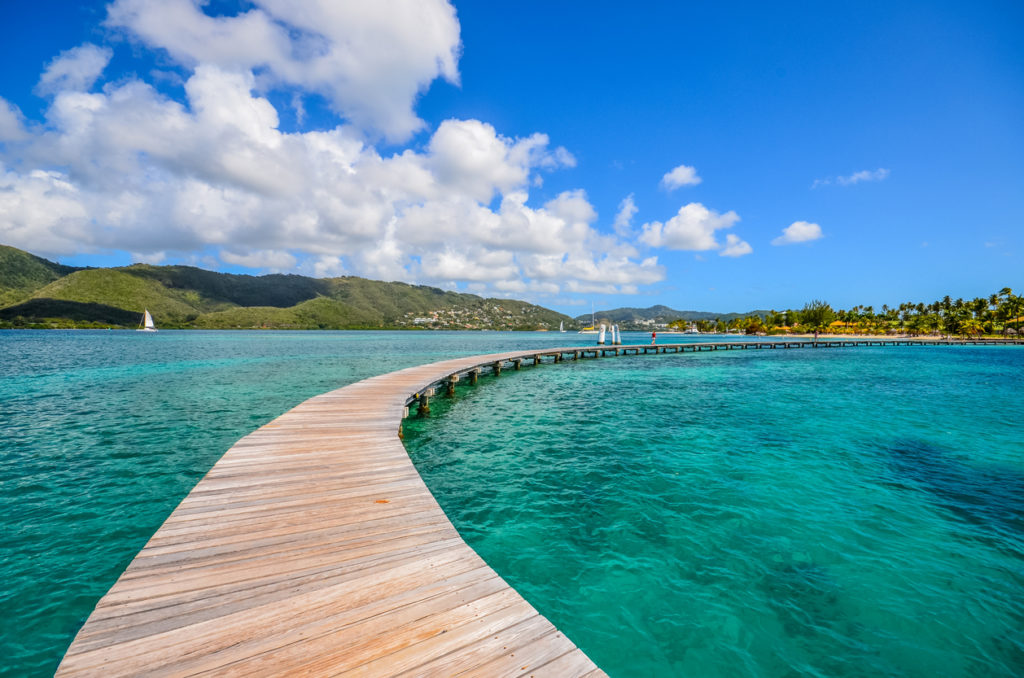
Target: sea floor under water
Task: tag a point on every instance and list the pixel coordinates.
(848, 512)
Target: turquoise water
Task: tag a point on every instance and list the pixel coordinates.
(103, 433)
(854, 512)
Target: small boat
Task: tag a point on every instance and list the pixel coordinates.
(692, 329)
(147, 323)
(592, 329)
(561, 327)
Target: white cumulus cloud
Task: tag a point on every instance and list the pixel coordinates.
(735, 247)
(469, 157)
(75, 69)
(368, 59)
(12, 123)
(797, 232)
(693, 228)
(624, 218)
(129, 168)
(684, 175)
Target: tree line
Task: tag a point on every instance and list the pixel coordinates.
(998, 314)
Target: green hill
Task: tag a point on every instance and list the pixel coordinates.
(38, 292)
(658, 314)
(119, 288)
(210, 291)
(22, 273)
(320, 313)
(58, 313)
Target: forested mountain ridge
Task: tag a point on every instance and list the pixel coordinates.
(35, 292)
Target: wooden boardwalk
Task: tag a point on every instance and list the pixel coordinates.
(313, 547)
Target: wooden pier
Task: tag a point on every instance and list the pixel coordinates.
(313, 547)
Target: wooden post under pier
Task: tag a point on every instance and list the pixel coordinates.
(450, 384)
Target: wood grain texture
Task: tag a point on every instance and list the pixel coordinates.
(313, 547)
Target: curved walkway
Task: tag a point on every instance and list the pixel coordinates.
(313, 547)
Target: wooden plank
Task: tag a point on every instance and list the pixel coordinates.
(314, 546)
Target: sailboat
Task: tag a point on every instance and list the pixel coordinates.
(561, 327)
(147, 323)
(592, 329)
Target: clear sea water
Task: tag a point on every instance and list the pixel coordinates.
(103, 433)
(782, 513)
(854, 512)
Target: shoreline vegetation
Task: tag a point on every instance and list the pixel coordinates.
(998, 315)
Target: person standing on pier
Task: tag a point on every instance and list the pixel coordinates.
(654, 336)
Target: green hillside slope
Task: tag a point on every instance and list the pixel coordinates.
(121, 289)
(59, 313)
(22, 273)
(45, 294)
(320, 313)
(211, 291)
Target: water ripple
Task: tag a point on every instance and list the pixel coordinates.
(781, 514)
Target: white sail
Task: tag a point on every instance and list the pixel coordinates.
(561, 326)
(147, 322)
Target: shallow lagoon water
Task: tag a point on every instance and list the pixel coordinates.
(105, 432)
(853, 512)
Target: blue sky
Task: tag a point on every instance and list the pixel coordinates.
(701, 156)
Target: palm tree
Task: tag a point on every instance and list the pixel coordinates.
(970, 326)
(905, 311)
(1014, 308)
(817, 315)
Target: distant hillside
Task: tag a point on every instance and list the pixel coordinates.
(37, 292)
(21, 273)
(657, 314)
